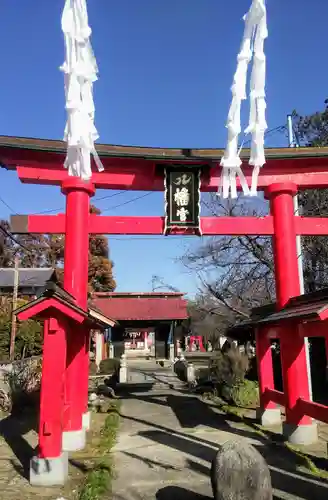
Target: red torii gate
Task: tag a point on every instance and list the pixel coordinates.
(40, 162)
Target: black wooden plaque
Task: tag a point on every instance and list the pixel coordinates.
(182, 198)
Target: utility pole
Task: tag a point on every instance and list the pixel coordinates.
(293, 144)
(14, 306)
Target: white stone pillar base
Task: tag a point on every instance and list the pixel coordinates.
(269, 417)
(301, 434)
(49, 471)
(86, 420)
(74, 440)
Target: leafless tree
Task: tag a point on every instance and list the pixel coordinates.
(236, 272)
(158, 283)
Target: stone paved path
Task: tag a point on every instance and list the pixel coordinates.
(167, 440)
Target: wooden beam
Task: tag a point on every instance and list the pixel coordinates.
(101, 224)
(311, 226)
(144, 177)
(304, 180)
(126, 225)
(37, 224)
(115, 179)
(210, 226)
(33, 149)
(314, 410)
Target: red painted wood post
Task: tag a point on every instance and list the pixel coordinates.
(293, 356)
(52, 389)
(264, 367)
(76, 260)
(268, 413)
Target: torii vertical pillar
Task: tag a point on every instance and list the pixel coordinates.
(76, 260)
(298, 428)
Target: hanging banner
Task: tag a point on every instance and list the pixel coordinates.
(252, 49)
(80, 72)
(182, 198)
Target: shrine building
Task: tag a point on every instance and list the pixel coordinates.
(145, 322)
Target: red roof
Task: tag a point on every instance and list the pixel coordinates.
(141, 306)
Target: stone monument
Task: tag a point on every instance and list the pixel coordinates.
(240, 472)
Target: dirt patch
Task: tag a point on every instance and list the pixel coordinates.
(17, 444)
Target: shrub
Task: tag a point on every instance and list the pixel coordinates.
(23, 385)
(28, 340)
(229, 368)
(245, 394)
(109, 366)
(228, 371)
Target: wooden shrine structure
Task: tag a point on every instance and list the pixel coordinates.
(160, 311)
(173, 171)
(305, 316)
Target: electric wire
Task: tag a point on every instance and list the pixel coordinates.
(8, 206)
(13, 239)
(127, 202)
(95, 199)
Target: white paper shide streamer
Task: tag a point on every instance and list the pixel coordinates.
(252, 48)
(80, 72)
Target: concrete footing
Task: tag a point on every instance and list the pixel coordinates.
(300, 434)
(86, 420)
(49, 471)
(74, 440)
(269, 417)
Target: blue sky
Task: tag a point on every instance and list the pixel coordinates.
(166, 68)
